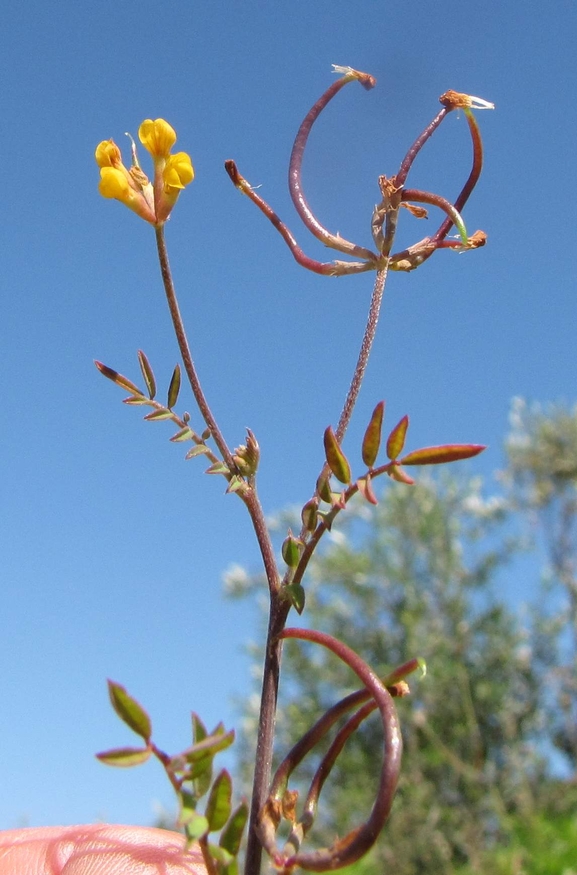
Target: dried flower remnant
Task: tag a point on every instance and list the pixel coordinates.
(152, 201)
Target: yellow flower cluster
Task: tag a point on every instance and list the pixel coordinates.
(152, 201)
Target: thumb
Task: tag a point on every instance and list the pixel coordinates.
(97, 849)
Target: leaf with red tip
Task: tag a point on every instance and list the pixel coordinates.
(124, 757)
(209, 746)
(442, 454)
(336, 459)
(397, 473)
(366, 489)
(136, 399)
(217, 468)
(117, 378)
(174, 387)
(159, 415)
(396, 440)
(199, 731)
(372, 438)
(147, 373)
(185, 434)
(197, 450)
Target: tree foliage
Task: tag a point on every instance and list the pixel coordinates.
(415, 578)
(542, 474)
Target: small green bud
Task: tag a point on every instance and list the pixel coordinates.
(291, 550)
(309, 514)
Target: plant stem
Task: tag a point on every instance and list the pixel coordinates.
(185, 351)
(279, 610)
(364, 353)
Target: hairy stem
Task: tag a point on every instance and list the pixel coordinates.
(185, 351)
(264, 750)
(279, 609)
(353, 393)
(364, 353)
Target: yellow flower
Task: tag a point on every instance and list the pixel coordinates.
(113, 184)
(108, 154)
(151, 201)
(116, 183)
(157, 136)
(178, 172)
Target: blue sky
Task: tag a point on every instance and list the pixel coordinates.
(113, 548)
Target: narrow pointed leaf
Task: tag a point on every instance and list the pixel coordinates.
(218, 805)
(366, 489)
(397, 473)
(124, 757)
(231, 836)
(136, 399)
(445, 453)
(199, 732)
(174, 387)
(336, 459)
(147, 373)
(129, 710)
(202, 781)
(117, 378)
(310, 514)
(159, 415)
(185, 434)
(296, 594)
(372, 438)
(324, 489)
(198, 450)
(396, 440)
(201, 773)
(217, 468)
(210, 745)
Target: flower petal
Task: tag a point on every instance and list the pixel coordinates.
(157, 136)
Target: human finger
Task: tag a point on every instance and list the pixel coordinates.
(97, 849)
